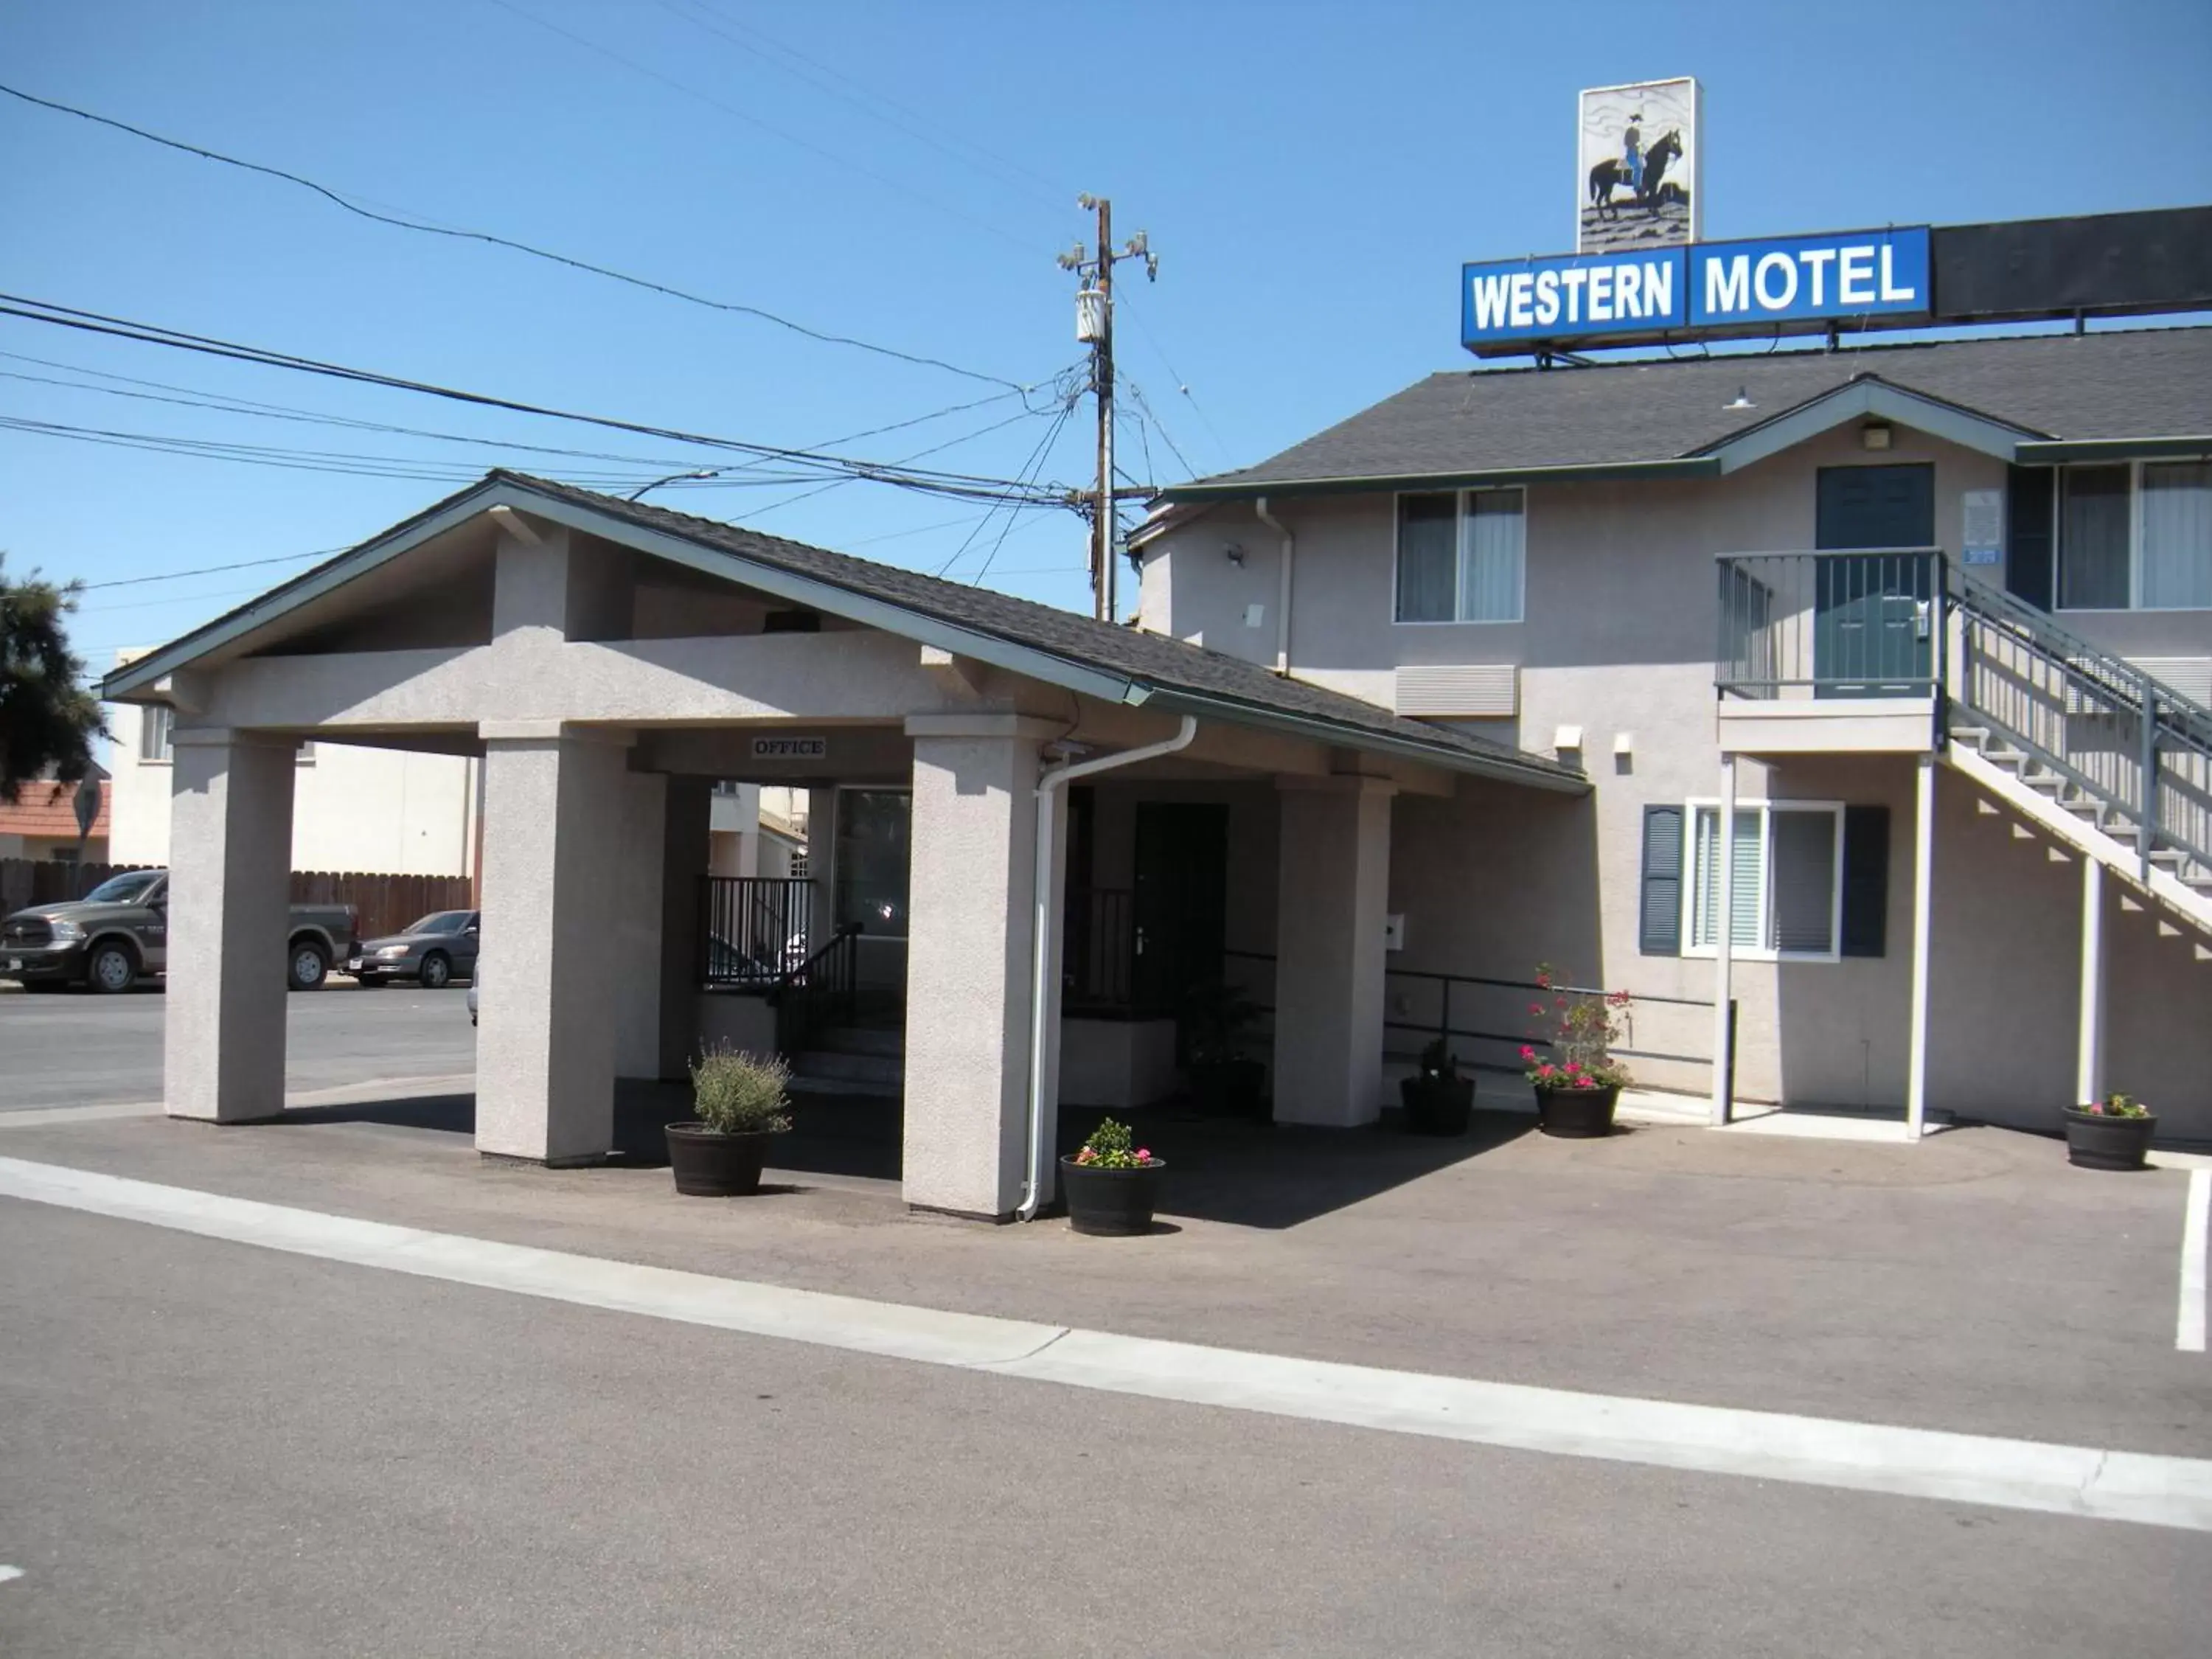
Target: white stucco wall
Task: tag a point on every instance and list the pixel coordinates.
(1618, 638)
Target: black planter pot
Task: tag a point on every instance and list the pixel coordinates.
(1577, 1114)
(2097, 1142)
(710, 1166)
(1110, 1203)
(1229, 1088)
(1437, 1105)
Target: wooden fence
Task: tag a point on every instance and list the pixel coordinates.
(382, 903)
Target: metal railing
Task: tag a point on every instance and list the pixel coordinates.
(1098, 960)
(754, 928)
(2121, 740)
(818, 992)
(1861, 622)
(1468, 986)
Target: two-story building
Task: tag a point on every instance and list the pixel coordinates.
(1936, 618)
(1895, 658)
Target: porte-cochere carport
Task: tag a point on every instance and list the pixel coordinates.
(609, 661)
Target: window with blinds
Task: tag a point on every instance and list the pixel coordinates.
(1785, 889)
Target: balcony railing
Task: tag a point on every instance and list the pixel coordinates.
(1866, 623)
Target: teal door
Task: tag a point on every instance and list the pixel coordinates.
(1874, 612)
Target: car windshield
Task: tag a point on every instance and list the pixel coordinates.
(441, 921)
(126, 889)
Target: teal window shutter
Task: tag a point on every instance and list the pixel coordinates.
(1866, 880)
(1661, 932)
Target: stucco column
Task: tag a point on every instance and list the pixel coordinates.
(970, 899)
(1329, 955)
(553, 809)
(230, 864)
(686, 813)
(635, 933)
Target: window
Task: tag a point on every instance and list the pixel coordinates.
(154, 720)
(1786, 896)
(870, 879)
(1460, 554)
(2136, 537)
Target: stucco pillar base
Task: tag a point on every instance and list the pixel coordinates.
(1329, 951)
(555, 810)
(230, 864)
(971, 899)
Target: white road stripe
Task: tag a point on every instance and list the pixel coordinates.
(6, 1573)
(2197, 1223)
(2021, 1474)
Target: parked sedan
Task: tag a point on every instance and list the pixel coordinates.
(433, 951)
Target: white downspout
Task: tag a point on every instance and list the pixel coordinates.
(1045, 921)
(1283, 597)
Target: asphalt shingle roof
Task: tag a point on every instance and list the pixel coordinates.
(2136, 383)
(1168, 666)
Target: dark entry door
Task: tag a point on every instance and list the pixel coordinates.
(1182, 881)
(1873, 618)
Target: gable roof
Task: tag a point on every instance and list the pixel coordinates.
(2050, 394)
(1097, 658)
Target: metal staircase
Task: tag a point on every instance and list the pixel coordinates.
(2100, 754)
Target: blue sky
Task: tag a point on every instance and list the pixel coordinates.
(1311, 177)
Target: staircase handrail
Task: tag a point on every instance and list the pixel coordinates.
(800, 972)
(2193, 719)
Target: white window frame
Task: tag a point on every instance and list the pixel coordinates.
(1459, 558)
(2135, 547)
(1765, 810)
(148, 714)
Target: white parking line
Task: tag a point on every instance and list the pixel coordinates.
(2197, 1223)
(6, 1573)
(2018, 1474)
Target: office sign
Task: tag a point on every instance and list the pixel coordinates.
(791, 748)
(1789, 284)
(1637, 172)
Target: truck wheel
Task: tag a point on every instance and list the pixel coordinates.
(112, 968)
(437, 971)
(309, 965)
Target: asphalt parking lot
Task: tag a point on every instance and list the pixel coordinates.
(75, 1049)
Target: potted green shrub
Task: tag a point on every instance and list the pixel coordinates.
(1216, 1019)
(1438, 1100)
(1110, 1183)
(2112, 1134)
(742, 1102)
(1578, 1086)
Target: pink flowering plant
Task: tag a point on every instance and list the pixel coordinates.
(1112, 1146)
(1583, 1027)
(2117, 1106)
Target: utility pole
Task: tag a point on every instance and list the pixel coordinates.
(1094, 325)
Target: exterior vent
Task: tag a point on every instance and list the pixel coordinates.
(1476, 688)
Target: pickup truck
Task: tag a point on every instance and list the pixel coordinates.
(119, 932)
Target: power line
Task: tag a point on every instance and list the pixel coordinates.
(927, 481)
(745, 116)
(212, 569)
(409, 222)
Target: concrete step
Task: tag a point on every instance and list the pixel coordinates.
(865, 1040)
(875, 1087)
(829, 1066)
(1978, 736)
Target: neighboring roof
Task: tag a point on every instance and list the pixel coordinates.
(1098, 659)
(1673, 414)
(48, 808)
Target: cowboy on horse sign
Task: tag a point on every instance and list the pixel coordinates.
(1637, 183)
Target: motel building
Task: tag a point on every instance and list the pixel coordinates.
(1846, 703)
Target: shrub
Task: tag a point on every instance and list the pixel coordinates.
(1438, 1063)
(735, 1094)
(1111, 1146)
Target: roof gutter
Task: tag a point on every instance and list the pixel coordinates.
(2040, 453)
(1679, 466)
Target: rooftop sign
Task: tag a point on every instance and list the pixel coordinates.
(1794, 284)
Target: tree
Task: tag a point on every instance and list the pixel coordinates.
(48, 719)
